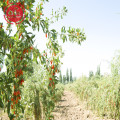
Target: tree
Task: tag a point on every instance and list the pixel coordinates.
(91, 74)
(71, 79)
(98, 70)
(64, 79)
(67, 75)
(60, 77)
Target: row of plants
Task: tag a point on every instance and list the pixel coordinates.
(35, 87)
(36, 94)
(102, 95)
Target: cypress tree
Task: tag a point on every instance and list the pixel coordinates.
(67, 76)
(64, 79)
(60, 77)
(71, 80)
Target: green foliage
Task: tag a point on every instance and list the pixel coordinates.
(64, 79)
(115, 64)
(101, 96)
(71, 79)
(34, 87)
(60, 77)
(98, 71)
(91, 74)
(67, 75)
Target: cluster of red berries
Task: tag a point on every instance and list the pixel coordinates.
(18, 73)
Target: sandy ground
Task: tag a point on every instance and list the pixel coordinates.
(3, 116)
(70, 108)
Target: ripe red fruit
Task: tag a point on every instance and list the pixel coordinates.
(50, 78)
(24, 51)
(18, 62)
(18, 92)
(16, 101)
(46, 35)
(19, 98)
(7, 2)
(53, 67)
(27, 51)
(12, 106)
(0, 68)
(40, 13)
(31, 48)
(51, 61)
(12, 99)
(15, 75)
(20, 72)
(21, 58)
(54, 54)
(14, 93)
(20, 35)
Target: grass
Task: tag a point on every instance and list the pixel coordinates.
(102, 95)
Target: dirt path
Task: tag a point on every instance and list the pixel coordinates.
(70, 108)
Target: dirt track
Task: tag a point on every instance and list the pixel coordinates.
(70, 108)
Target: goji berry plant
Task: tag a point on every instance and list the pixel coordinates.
(20, 51)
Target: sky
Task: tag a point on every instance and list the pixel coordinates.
(101, 22)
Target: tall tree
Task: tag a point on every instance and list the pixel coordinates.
(60, 77)
(67, 75)
(98, 71)
(64, 79)
(71, 79)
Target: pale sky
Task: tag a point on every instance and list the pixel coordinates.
(101, 22)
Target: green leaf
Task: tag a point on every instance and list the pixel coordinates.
(9, 56)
